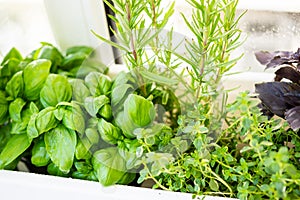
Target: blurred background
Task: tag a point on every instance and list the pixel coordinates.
(23, 24)
(268, 25)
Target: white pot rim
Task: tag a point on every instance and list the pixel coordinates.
(24, 185)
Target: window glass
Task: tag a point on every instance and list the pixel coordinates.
(268, 25)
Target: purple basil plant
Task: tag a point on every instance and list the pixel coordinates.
(281, 97)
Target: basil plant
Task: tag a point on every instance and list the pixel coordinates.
(61, 114)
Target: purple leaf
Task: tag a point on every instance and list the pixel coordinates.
(276, 58)
(277, 61)
(293, 117)
(289, 73)
(278, 97)
(264, 57)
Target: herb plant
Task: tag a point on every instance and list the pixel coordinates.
(280, 97)
(166, 118)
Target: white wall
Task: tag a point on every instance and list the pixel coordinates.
(23, 24)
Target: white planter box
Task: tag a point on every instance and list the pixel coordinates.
(28, 186)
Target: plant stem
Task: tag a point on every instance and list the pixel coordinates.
(133, 50)
(158, 183)
(154, 23)
(134, 53)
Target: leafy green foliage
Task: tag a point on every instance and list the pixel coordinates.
(35, 75)
(79, 90)
(68, 125)
(38, 118)
(14, 147)
(40, 156)
(3, 107)
(51, 53)
(71, 116)
(108, 132)
(138, 113)
(75, 121)
(98, 83)
(109, 166)
(200, 155)
(60, 144)
(56, 89)
(253, 158)
(15, 86)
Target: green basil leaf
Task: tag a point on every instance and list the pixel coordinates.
(49, 52)
(80, 175)
(119, 94)
(39, 153)
(82, 49)
(33, 108)
(56, 89)
(46, 120)
(59, 113)
(73, 60)
(3, 107)
(92, 122)
(82, 149)
(15, 86)
(83, 167)
(93, 104)
(20, 126)
(125, 124)
(71, 115)
(61, 144)
(122, 78)
(84, 171)
(9, 68)
(109, 166)
(24, 63)
(92, 135)
(98, 84)
(3, 81)
(15, 109)
(13, 53)
(127, 178)
(4, 135)
(15, 146)
(106, 112)
(108, 132)
(28, 122)
(32, 131)
(130, 155)
(79, 90)
(35, 75)
(138, 113)
(55, 171)
(74, 120)
(139, 110)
